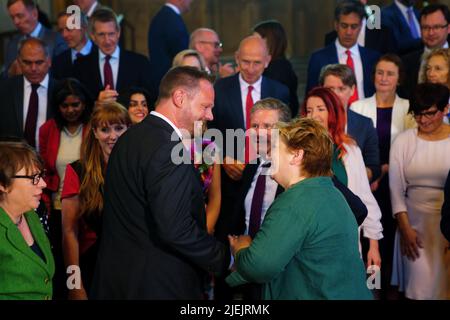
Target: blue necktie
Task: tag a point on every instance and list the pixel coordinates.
(412, 25)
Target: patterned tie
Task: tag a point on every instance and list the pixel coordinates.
(257, 203)
(351, 64)
(249, 152)
(32, 115)
(107, 72)
(412, 25)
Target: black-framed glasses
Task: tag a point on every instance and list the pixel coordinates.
(216, 44)
(427, 114)
(434, 28)
(35, 178)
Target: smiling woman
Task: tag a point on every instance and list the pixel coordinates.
(27, 265)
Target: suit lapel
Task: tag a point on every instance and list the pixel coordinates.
(18, 100)
(122, 70)
(236, 103)
(95, 65)
(50, 90)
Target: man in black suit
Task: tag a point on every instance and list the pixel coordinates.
(434, 23)
(167, 35)
(78, 42)
(26, 101)
(154, 242)
(380, 40)
(109, 70)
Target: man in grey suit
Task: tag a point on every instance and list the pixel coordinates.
(27, 100)
(24, 15)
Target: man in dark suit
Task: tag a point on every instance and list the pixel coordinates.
(27, 100)
(24, 15)
(434, 23)
(154, 241)
(445, 220)
(167, 35)
(380, 40)
(78, 42)
(109, 70)
(341, 80)
(345, 50)
(403, 20)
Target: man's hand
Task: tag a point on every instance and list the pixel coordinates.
(233, 168)
(239, 242)
(108, 95)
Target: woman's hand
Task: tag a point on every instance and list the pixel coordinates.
(239, 242)
(373, 255)
(410, 243)
(77, 294)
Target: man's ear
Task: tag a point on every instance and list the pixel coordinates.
(178, 98)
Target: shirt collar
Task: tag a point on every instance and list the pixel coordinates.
(43, 83)
(174, 8)
(428, 50)
(244, 85)
(341, 50)
(401, 6)
(115, 54)
(84, 51)
(36, 31)
(159, 115)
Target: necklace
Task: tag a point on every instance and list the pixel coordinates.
(20, 220)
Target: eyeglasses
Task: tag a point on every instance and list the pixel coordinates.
(216, 44)
(35, 178)
(73, 104)
(433, 28)
(427, 115)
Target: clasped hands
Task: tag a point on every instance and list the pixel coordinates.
(239, 242)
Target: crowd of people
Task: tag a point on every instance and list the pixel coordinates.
(315, 197)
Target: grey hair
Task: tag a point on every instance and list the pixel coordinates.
(273, 104)
(38, 41)
(342, 71)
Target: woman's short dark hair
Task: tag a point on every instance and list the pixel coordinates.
(15, 155)
(276, 38)
(426, 95)
(71, 87)
(395, 59)
(125, 97)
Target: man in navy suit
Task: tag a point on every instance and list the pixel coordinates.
(167, 36)
(434, 23)
(345, 50)
(109, 70)
(232, 111)
(78, 42)
(341, 80)
(403, 20)
(24, 14)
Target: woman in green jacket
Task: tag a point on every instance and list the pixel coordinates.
(26, 261)
(307, 247)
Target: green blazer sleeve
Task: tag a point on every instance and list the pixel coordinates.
(23, 274)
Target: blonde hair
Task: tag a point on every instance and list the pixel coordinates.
(178, 59)
(92, 162)
(311, 137)
(444, 53)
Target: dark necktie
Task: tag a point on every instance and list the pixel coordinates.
(107, 73)
(32, 115)
(257, 202)
(351, 64)
(78, 55)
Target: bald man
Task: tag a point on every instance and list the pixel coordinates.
(234, 99)
(207, 42)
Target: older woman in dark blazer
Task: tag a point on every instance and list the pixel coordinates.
(26, 261)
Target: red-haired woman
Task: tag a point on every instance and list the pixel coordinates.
(82, 195)
(324, 106)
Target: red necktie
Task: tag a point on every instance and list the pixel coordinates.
(350, 63)
(32, 115)
(249, 152)
(107, 73)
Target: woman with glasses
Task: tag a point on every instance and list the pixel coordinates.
(419, 164)
(26, 260)
(60, 140)
(82, 195)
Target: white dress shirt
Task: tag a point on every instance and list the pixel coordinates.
(159, 115)
(174, 8)
(92, 9)
(114, 62)
(84, 51)
(356, 56)
(256, 93)
(362, 33)
(36, 31)
(404, 10)
(42, 110)
(269, 195)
